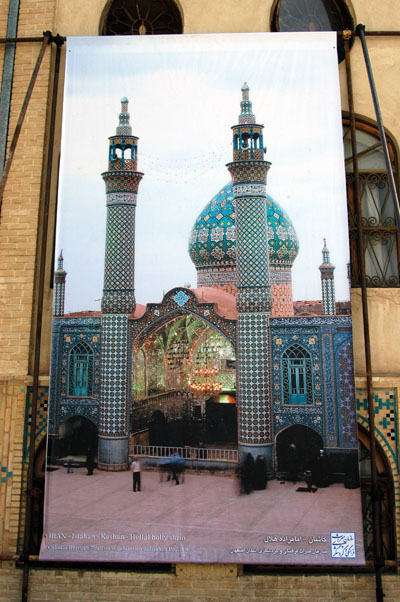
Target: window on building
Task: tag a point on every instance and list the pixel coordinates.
(140, 17)
(312, 15)
(378, 223)
(297, 378)
(81, 370)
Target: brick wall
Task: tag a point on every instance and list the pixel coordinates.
(196, 584)
(19, 230)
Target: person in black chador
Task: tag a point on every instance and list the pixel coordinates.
(308, 478)
(247, 474)
(260, 473)
(322, 470)
(292, 463)
(90, 460)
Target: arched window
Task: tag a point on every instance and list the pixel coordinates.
(381, 239)
(80, 370)
(140, 17)
(312, 15)
(297, 378)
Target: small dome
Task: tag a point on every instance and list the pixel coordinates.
(212, 242)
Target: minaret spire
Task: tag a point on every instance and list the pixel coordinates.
(246, 111)
(59, 287)
(124, 128)
(118, 302)
(327, 283)
(249, 175)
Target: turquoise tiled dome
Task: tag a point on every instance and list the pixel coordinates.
(212, 240)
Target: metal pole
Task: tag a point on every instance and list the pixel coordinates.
(15, 40)
(360, 30)
(39, 316)
(377, 533)
(47, 38)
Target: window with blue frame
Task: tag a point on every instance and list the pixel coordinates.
(297, 376)
(81, 370)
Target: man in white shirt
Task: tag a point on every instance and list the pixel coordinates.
(135, 468)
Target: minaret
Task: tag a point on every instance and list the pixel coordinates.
(249, 176)
(122, 182)
(327, 283)
(59, 287)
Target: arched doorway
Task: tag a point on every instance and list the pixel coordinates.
(77, 435)
(386, 498)
(297, 448)
(157, 429)
(221, 420)
(37, 498)
(177, 365)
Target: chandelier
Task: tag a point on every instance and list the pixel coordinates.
(206, 382)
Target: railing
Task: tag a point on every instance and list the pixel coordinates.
(187, 453)
(165, 396)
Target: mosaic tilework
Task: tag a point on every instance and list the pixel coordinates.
(59, 287)
(181, 298)
(246, 111)
(114, 376)
(84, 407)
(119, 267)
(41, 420)
(253, 299)
(386, 432)
(328, 296)
(59, 298)
(385, 413)
(212, 242)
(282, 339)
(158, 314)
(328, 342)
(67, 332)
(254, 296)
(249, 171)
(327, 283)
(255, 420)
(5, 474)
(346, 396)
(122, 181)
(252, 248)
(119, 280)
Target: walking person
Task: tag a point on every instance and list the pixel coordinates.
(90, 460)
(135, 468)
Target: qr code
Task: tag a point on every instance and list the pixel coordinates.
(343, 545)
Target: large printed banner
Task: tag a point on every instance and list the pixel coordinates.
(204, 384)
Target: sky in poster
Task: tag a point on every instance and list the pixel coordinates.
(184, 94)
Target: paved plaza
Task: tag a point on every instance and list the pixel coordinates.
(204, 519)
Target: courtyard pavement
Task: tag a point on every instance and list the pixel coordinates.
(204, 519)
